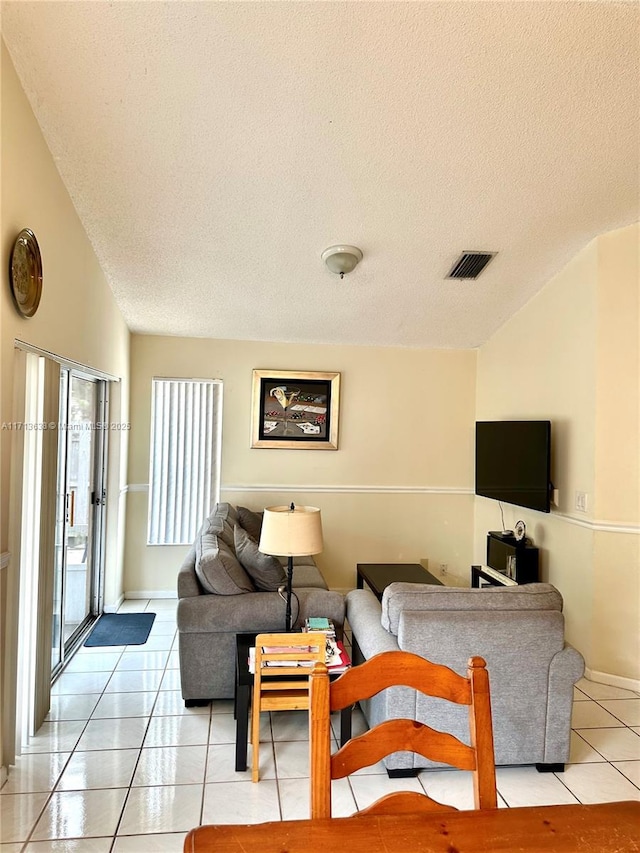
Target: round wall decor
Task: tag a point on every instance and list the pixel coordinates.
(25, 273)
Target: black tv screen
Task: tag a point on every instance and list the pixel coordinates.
(513, 462)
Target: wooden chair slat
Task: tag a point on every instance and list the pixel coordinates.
(401, 736)
(388, 670)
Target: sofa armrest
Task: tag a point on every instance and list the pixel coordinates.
(565, 669)
(188, 585)
(363, 615)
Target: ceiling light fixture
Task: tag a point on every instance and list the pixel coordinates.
(342, 259)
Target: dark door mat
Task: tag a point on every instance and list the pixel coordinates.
(121, 629)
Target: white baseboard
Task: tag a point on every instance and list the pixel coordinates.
(150, 593)
(612, 680)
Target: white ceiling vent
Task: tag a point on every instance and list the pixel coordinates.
(470, 264)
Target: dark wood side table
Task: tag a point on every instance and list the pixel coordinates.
(379, 575)
(242, 700)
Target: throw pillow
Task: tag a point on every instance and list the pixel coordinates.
(266, 571)
(221, 522)
(251, 521)
(217, 568)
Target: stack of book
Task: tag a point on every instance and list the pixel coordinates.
(336, 659)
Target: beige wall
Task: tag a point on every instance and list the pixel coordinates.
(77, 319)
(406, 422)
(571, 355)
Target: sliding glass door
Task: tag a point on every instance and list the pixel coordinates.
(79, 512)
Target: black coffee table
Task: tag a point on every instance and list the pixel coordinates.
(242, 701)
(379, 575)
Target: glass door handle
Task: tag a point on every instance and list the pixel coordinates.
(71, 508)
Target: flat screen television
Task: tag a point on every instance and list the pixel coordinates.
(513, 462)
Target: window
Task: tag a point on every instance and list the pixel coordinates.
(184, 472)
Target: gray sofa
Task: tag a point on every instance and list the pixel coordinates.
(519, 630)
(225, 587)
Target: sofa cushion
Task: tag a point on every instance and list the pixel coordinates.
(218, 569)
(417, 596)
(222, 521)
(265, 571)
(251, 521)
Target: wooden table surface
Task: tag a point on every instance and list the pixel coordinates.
(601, 828)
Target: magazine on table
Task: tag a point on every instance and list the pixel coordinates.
(336, 657)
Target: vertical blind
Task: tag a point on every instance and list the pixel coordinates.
(184, 471)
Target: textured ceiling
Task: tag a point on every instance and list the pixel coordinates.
(213, 150)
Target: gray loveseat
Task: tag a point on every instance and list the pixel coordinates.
(226, 587)
(519, 631)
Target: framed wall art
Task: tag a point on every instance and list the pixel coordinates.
(296, 410)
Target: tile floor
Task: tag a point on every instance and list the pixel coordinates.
(120, 766)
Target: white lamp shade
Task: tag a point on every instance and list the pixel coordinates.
(290, 532)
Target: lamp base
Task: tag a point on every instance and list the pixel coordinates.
(287, 619)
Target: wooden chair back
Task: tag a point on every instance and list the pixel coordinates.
(278, 658)
(378, 673)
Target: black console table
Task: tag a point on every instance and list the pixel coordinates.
(509, 562)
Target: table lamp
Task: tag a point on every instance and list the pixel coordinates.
(291, 531)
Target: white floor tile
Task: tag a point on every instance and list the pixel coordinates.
(631, 770)
(121, 733)
(56, 737)
(72, 707)
(162, 809)
(171, 765)
(13, 847)
(157, 643)
(37, 772)
(100, 661)
(170, 842)
(626, 710)
(109, 768)
(368, 789)
(75, 814)
(70, 845)
(449, 787)
(19, 814)
(241, 802)
(133, 605)
(113, 705)
(134, 682)
(613, 744)
(581, 752)
(590, 715)
(598, 783)
(171, 704)
(292, 759)
(295, 799)
(290, 725)
(223, 728)
(77, 683)
(604, 691)
(221, 763)
(174, 660)
(177, 731)
(524, 786)
(164, 627)
(142, 660)
(100, 650)
(170, 680)
(222, 706)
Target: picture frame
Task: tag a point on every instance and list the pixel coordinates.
(295, 409)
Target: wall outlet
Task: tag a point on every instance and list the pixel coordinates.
(443, 568)
(581, 501)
